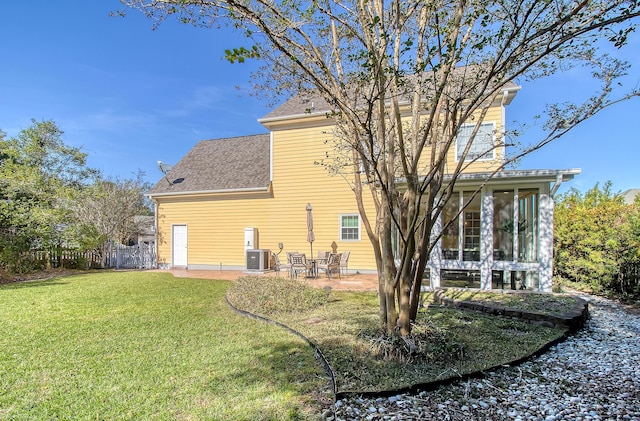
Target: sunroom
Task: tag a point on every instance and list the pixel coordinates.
(503, 238)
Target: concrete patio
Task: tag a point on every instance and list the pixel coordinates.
(351, 282)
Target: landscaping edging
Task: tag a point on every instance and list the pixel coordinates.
(432, 385)
(573, 320)
(317, 351)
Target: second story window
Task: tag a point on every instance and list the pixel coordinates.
(483, 145)
(350, 227)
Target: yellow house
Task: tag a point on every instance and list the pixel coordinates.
(227, 196)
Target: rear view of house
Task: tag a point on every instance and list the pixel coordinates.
(227, 196)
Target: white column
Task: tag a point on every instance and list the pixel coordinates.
(486, 239)
(545, 255)
(435, 258)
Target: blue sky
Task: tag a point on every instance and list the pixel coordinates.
(130, 96)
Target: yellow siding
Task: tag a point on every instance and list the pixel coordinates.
(297, 180)
(494, 115)
(216, 222)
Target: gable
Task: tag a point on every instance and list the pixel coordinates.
(310, 104)
(231, 164)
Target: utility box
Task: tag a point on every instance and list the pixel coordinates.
(258, 260)
(250, 239)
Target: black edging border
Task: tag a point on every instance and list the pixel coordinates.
(573, 320)
(317, 352)
(428, 386)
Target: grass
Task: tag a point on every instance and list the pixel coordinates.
(527, 301)
(446, 343)
(137, 345)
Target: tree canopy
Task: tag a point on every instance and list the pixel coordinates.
(37, 172)
(401, 79)
(49, 197)
(107, 210)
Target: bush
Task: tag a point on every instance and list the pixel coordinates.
(268, 295)
(597, 241)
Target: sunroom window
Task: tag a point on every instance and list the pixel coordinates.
(469, 238)
(504, 227)
(472, 226)
(528, 225)
(451, 229)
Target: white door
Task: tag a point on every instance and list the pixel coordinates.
(179, 235)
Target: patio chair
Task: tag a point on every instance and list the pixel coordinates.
(288, 265)
(344, 262)
(322, 257)
(299, 264)
(332, 265)
(278, 266)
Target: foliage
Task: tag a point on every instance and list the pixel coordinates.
(427, 343)
(107, 210)
(142, 346)
(597, 240)
(269, 295)
(527, 301)
(50, 198)
(37, 172)
(400, 78)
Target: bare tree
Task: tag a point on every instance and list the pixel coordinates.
(106, 211)
(401, 78)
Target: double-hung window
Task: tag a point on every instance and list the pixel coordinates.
(483, 145)
(349, 227)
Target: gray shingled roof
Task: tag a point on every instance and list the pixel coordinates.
(311, 102)
(238, 163)
(303, 103)
(630, 195)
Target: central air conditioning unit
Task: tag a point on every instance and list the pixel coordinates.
(258, 260)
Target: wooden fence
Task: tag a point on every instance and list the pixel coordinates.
(118, 256)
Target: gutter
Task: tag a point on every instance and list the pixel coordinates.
(243, 190)
(507, 96)
(512, 176)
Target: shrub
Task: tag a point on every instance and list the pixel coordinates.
(597, 240)
(268, 295)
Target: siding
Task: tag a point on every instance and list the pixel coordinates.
(216, 222)
(298, 180)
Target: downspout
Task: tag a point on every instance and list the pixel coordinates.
(556, 185)
(503, 117)
(271, 156)
(561, 177)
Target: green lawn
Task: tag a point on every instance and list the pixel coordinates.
(132, 345)
(446, 342)
(141, 345)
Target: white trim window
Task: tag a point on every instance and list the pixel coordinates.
(483, 146)
(350, 227)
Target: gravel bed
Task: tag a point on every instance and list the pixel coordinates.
(593, 375)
